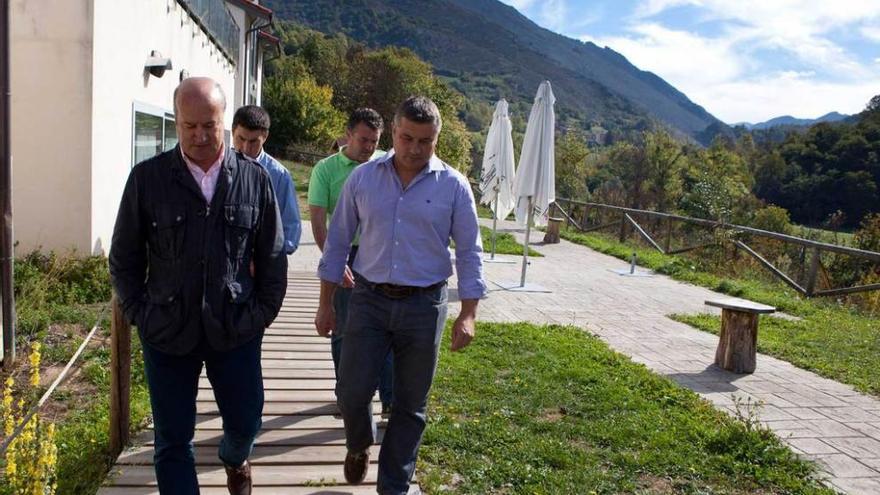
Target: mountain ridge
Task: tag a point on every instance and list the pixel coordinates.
(788, 120)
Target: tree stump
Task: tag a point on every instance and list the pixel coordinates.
(552, 234)
(737, 345)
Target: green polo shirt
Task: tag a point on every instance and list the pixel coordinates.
(328, 177)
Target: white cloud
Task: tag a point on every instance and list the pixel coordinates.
(520, 5)
(553, 14)
(786, 93)
(799, 27)
(684, 59)
(871, 32)
(648, 8)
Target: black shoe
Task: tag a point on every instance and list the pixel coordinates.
(356, 466)
(238, 480)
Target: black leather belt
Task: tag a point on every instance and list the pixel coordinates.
(393, 291)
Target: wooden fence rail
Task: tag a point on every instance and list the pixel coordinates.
(624, 218)
(120, 380)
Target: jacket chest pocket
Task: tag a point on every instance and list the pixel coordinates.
(168, 231)
(241, 222)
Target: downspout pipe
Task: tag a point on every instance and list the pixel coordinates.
(7, 297)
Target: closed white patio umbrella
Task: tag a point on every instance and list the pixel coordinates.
(535, 184)
(496, 179)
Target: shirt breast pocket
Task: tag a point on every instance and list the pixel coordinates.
(439, 213)
(168, 231)
(241, 222)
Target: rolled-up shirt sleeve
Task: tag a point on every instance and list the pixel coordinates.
(468, 244)
(340, 234)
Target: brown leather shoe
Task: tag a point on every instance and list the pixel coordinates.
(238, 480)
(356, 466)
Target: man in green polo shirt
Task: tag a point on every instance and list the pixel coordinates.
(328, 176)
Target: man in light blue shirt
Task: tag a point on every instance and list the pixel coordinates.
(250, 129)
(407, 205)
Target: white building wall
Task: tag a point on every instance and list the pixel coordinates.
(241, 18)
(125, 32)
(51, 76)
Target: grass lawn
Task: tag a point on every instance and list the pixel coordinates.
(831, 339)
(532, 409)
(301, 174)
(504, 243)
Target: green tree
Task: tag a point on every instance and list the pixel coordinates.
(571, 166)
(664, 158)
(717, 185)
(301, 109)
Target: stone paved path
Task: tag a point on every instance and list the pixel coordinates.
(819, 418)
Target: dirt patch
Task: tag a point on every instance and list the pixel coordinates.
(553, 415)
(59, 344)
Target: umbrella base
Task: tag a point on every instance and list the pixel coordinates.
(498, 259)
(517, 287)
(625, 272)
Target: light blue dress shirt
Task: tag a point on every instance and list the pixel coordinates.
(285, 193)
(404, 233)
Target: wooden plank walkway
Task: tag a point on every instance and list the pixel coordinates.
(301, 447)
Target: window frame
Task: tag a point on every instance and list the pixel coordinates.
(152, 110)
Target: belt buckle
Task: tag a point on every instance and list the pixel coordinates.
(395, 292)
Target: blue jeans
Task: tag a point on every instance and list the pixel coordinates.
(411, 328)
(237, 379)
(341, 298)
(340, 306)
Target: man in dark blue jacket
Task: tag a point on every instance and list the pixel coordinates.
(198, 263)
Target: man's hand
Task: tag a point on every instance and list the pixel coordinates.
(347, 278)
(462, 331)
(325, 320)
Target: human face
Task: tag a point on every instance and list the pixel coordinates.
(249, 142)
(362, 142)
(414, 143)
(199, 123)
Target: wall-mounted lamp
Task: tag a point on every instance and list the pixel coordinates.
(156, 64)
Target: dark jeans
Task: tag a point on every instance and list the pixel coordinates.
(411, 328)
(341, 298)
(237, 379)
(340, 305)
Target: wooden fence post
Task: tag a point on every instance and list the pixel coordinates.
(622, 233)
(815, 261)
(120, 379)
(668, 243)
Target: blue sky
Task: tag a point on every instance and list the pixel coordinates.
(742, 60)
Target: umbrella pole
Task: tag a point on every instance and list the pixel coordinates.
(494, 226)
(522, 281)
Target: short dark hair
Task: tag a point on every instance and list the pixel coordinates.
(366, 116)
(419, 109)
(252, 117)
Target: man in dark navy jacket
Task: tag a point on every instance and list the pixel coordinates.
(198, 263)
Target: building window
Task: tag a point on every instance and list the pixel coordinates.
(153, 132)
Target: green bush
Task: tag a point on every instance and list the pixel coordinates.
(58, 289)
(772, 218)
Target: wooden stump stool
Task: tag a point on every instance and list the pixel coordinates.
(552, 235)
(737, 347)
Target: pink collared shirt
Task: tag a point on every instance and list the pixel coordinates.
(207, 181)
